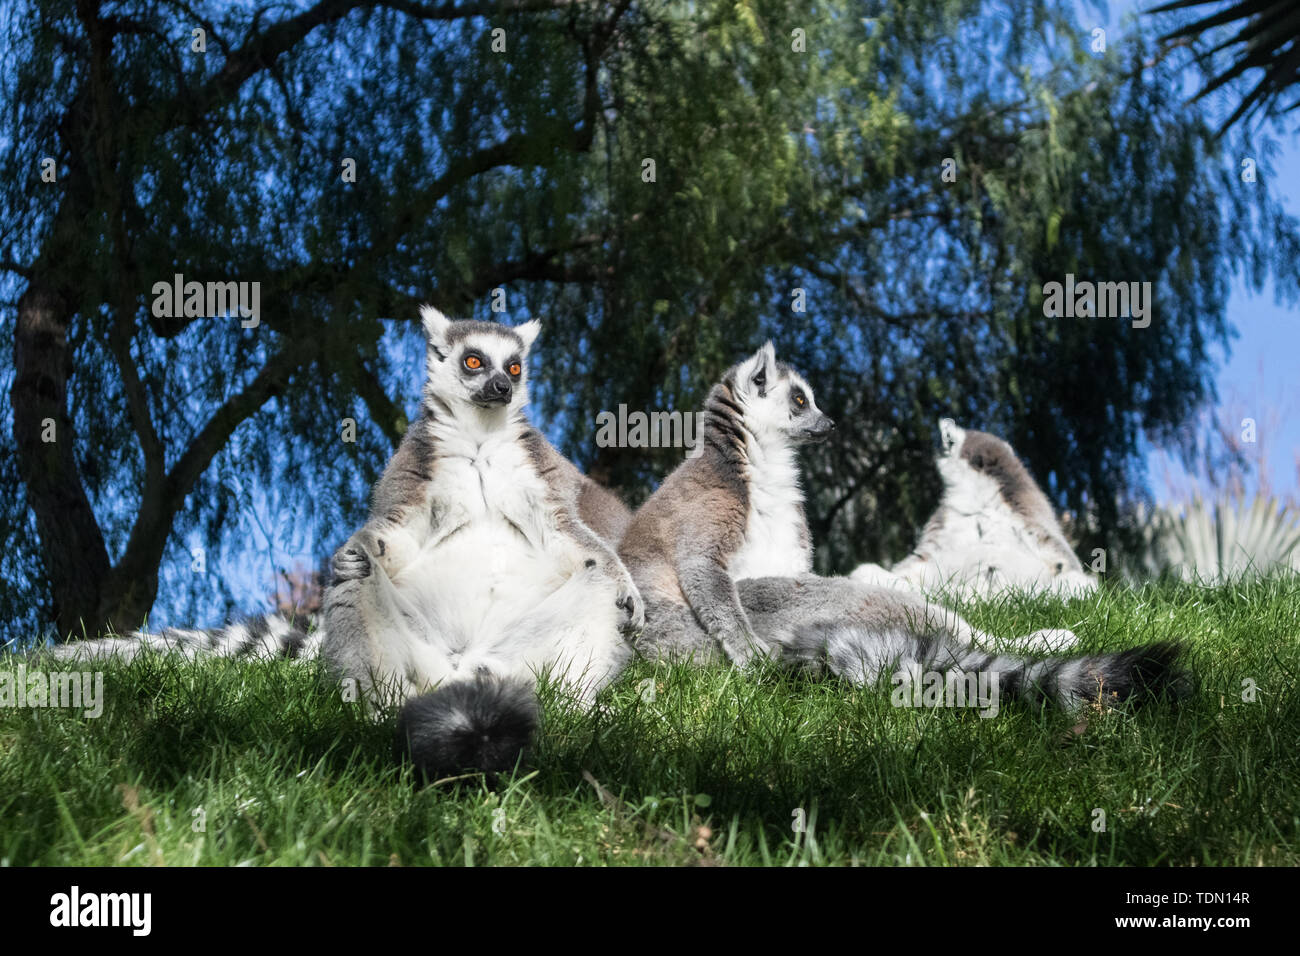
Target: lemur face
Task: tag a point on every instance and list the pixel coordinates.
(777, 400)
(477, 364)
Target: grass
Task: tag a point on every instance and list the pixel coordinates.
(231, 762)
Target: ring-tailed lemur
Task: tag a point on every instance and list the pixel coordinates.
(722, 556)
(486, 561)
(994, 529)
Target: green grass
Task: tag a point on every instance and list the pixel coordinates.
(713, 767)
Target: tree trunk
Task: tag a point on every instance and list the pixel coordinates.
(73, 545)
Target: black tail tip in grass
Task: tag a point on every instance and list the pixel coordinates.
(484, 725)
(1150, 672)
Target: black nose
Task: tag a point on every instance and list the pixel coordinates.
(495, 391)
(825, 426)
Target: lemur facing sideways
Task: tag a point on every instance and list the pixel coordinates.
(487, 560)
(721, 555)
(994, 529)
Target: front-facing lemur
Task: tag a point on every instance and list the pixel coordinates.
(994, 529)
(476, 571)
(487, 560)
(721, 555)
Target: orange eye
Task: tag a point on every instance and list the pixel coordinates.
(515, 368)
(799, 400)
(473, 362)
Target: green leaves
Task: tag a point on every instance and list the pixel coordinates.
(775, 169)
(1222, 541)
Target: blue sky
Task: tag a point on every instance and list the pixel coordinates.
(1257, 378)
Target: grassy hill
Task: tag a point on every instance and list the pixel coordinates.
(248, 762)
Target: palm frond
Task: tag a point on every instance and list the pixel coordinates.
(1223, 541)
(1268, 40)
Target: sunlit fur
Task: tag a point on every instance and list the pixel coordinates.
(994, 529)
(476, 574)
(722, 555)
(775, 424)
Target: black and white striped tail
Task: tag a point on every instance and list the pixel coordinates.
(264, 636)
(1139, 674)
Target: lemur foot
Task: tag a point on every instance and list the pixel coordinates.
(1052, 640)
(744, 649)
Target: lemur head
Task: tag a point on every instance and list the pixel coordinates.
(977, 463)
(965, 454)
(951, 438)
(477, 364)
(776, 400)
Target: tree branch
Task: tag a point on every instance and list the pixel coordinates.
(262, 50)
(137, 403)
(384, 412)
(153, 524)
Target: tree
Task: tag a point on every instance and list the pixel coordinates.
(656, 180)
(129, 104)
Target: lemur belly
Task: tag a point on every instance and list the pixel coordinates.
(489, 563)
(992, 537)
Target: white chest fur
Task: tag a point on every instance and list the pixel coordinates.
(495, 588)
(494, 481)
(980, 529)
(491, 531)
(774, 541)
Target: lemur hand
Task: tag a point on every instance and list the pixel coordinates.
(629, 601)
(350, 564)
(627, 598)
(391, 548)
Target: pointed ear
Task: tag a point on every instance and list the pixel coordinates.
(759, 370)
(950, 436)
(436, 326)
(528, 332)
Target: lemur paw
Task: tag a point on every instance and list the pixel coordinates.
(629, 601)
(350, 564)
(1052, 640)
(873, 575)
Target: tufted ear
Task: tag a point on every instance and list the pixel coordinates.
(528, 332)
(436, 325)
(759, 370)
(950, 436)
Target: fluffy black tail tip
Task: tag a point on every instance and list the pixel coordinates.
(1152, 671)
(482, 725)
